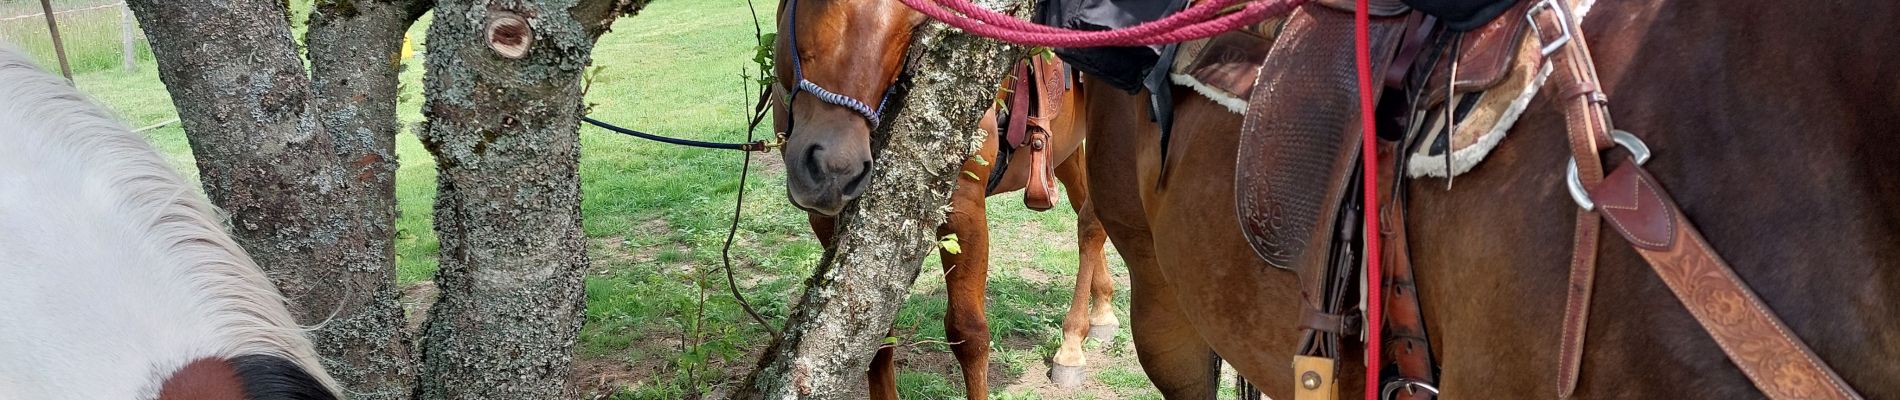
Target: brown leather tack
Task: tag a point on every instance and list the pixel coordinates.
(1314, 319)
(1230, 62)
(1405, 343)
(1779, 364)
(1633, 205)
(1017, 132)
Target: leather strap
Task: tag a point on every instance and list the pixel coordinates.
(1405, 340)
(1754, 338)
(1017, 132)
(1778, 363)
(1586, 119)
(1039, 194)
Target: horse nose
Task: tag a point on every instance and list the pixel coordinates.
(824, 175)
(855, 187)
(842, 172)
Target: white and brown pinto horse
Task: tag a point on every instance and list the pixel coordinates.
(119, 279)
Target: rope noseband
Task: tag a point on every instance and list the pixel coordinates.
(872, 115)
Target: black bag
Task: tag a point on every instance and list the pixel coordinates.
(1123, 67)
(1462, 15)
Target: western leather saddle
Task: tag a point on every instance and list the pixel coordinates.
(1030, 106)
(1455, 74)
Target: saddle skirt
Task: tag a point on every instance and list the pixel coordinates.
(1499, 72)
(1225, 67)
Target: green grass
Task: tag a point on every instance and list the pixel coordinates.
(655, 217)
(91, 37)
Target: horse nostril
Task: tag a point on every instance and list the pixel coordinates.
(813, 167)
(856, 186)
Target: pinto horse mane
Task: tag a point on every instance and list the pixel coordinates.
(117, 272)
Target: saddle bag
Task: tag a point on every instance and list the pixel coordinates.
(1125, 68)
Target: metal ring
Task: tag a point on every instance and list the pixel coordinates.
(1581, 195)
(1392, 388)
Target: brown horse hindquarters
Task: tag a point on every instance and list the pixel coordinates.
(1246, 310)
(1774, 139)
(1197, 288)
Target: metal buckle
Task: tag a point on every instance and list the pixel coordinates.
(1410, 386)
(1637, 150)
(1563, 21)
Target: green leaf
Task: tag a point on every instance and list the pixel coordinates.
(972, 175)
(890, 340)
(979, 160)
(949, 244)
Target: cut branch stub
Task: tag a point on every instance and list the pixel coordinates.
(509, 35)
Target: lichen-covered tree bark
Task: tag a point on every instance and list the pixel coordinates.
(503, 105)
(305, 162)
(302, 162)
(882, 240)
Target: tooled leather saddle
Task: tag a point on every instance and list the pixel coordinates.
(1455, 74)
(1030, 106)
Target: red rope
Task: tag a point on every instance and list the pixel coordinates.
(1368, 156)
(1196, 22)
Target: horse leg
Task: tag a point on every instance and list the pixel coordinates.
(1077, 325)
(1102, 320)
(1243, 308)
(1175, 358)
(1172, 354)
(883, 375)
(1179, 363)
(965, 276)
(823, 227)
(966, 272)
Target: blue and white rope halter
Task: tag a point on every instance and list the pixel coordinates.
(873, 115)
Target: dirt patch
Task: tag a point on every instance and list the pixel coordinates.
(416, 300)
(599, 378)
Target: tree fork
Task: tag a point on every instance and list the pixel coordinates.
(272, 151)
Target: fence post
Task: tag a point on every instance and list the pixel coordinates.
(127, 46)
(52, 27)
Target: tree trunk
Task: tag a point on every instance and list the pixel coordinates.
(503, 108)
(355, 58)
(882, 240)
(303, 168)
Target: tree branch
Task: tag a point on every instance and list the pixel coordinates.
(853, 296)
(354, 49)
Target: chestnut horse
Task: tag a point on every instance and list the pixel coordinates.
(120, 281)
(1717, 90)
(854, 50)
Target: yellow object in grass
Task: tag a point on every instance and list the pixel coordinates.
(407, 50)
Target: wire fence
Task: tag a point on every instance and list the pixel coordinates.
(61, 12)
(95, 35)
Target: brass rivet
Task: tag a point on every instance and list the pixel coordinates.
(1310, 380)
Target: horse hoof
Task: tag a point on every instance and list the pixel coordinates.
(1066, 376)
(1103, 333)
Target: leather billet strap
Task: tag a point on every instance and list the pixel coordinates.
(1406, 345)
(1587, 119)
(1778, 363)
(1755, 339)
(1017, 132)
